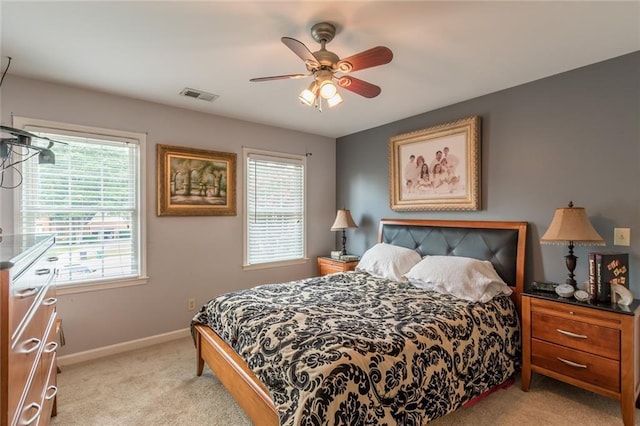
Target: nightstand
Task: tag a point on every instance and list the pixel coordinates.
(328, 265)
(590, 345)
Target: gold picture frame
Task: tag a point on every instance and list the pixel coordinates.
(195, 182)
(437, 168)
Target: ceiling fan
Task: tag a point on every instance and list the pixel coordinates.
(324, 66)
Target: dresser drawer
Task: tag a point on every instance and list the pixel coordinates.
(25, 349)
(30, 412)
(26, 290)
(576, 334)
(48, 368)
(49, 396)
(48, 306)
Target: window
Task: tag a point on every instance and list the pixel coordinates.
(274, 208)
(92, 199)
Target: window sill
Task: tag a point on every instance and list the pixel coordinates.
(275, 264)
(99, 285)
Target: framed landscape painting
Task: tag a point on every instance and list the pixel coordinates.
(437, 168)
(195, 182)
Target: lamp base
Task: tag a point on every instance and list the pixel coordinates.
(344, 243)
(571, 262)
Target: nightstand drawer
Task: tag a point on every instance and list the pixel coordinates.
(328, 268)
(576, 334)
(593, 369)
(326, 265)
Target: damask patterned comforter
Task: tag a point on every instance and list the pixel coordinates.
(351, 349)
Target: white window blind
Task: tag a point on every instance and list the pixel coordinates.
(91, 200)
(274, 208)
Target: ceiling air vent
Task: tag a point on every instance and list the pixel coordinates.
(198, 94)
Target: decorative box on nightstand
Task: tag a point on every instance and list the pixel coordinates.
(590, 345)
(327, 265)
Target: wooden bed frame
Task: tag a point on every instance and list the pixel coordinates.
(253, 396)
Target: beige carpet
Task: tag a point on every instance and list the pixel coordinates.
(158, 386)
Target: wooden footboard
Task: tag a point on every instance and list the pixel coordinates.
(236, 377)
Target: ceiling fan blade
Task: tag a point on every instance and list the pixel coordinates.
(280, 77)
(358, 86)
(373, 57)
(301, 50)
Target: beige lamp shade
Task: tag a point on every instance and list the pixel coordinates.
(571, 224)
(343, 221)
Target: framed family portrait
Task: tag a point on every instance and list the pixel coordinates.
(195, 182)
(437, 168)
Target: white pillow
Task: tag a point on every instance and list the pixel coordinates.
(388, 261)
(470, 279)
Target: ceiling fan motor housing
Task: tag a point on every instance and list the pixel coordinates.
(323, 32)
(326, 59)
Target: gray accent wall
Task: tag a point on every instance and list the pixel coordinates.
(574, 137)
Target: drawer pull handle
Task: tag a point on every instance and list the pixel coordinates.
(33, 341)
(51, 347)
(27, 292)
(43, 271)
(570, 334)
(35, 416)
(52, 259)
(54, 391)
(571, 363)
(50, 301)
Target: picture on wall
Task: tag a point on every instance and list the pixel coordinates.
(437, 168)
(195, 182)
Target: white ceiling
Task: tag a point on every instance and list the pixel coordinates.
(444, 52)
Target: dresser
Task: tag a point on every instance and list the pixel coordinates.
(592, 346)
(28, 340)
(328, 265)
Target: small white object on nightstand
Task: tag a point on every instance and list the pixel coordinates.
(621, 295)
(564, 290)
(581, 295)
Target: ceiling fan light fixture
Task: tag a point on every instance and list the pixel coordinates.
(334, 100)
(308, 95)
(328, 89)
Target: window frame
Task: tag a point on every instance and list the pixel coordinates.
(37, 125)
(246, 153)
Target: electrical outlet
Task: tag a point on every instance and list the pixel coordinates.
(621, 236)
(191, 304)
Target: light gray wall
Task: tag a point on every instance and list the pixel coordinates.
(573, 136)
(188, 257)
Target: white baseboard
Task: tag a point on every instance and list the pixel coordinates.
(122, 347)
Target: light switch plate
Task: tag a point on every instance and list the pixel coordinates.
(621, 236)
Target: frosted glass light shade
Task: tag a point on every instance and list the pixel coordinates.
(334, 100)
(308, 95)
(328, 90)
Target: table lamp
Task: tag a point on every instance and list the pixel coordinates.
(343, 221)
(570, 225)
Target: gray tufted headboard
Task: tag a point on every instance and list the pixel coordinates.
(501, 243)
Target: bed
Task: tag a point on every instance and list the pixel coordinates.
(352, 348)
